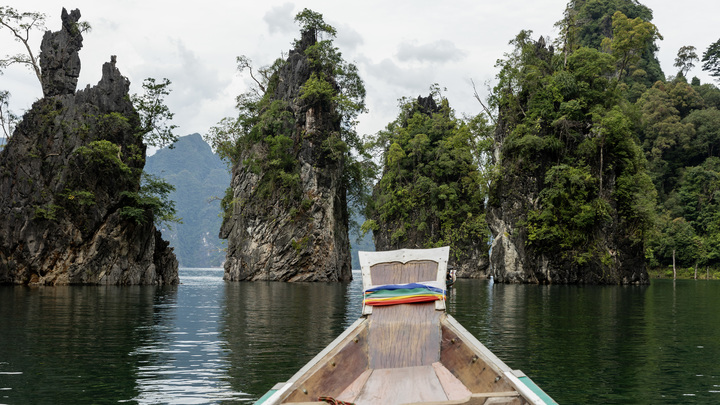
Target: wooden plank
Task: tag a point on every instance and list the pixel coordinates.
(454, 388)
(353, 390)
(333, 374)
(404, 335)
(401, 385)
(505, 401)
(469, 366)
(399, 273)
(479, 399)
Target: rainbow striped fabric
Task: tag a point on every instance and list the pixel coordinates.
(392, 294)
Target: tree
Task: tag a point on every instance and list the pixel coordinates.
(630, 38)
(155, 116)
(7, 118)
(711, 59)
(685, 59)
(21, 24)
(431, 192)
(311, 21)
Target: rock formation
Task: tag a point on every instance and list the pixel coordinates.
(67, 177)
(60, 61)
(610, 252)
(429, 194)
(297, 232)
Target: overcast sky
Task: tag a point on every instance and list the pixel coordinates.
(400, 47)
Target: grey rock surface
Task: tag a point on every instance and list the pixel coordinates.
(65, 176)
(59, 58)
(269, 240)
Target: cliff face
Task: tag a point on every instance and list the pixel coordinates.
(566, 205)
(66, 175)
(513, 258)
(299, 232)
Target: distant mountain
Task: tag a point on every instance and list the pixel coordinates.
(200, 179)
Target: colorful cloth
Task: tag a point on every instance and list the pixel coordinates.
(392, 294)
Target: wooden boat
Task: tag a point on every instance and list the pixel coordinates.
(405, 353)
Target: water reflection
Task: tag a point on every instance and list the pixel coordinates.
(181, 359)
(206, 341)
(272, 329)
(64, 344)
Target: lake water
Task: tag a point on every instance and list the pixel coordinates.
(206, 341)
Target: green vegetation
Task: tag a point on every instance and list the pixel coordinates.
(567, 123)
(104, 157)
(624, 27)
(155, 128)
(431, 191)
(616, 146)
(263, 137)
(48, 212)
(151, 202)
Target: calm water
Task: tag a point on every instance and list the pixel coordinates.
(206, 341)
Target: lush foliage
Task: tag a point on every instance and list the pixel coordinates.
(431, 192)
(680, 128)
(606, 132)
(624, 26)
(711, 59)
(263, 137)
(151, 203)
(568, 126)
(629, 39)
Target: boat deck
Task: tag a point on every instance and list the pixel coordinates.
(406, 354)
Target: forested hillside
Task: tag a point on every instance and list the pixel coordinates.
(200, 179)
(604, 164)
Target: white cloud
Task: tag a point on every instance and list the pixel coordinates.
(347, 38)
(280, 19)
(440, 51)
(400, 49)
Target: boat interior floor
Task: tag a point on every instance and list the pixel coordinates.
(403, 362)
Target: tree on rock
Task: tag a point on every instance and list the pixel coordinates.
(571, 201)
(431, 192)
(297, 163)
(72, 205)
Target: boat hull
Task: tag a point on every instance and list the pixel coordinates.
(406, 353)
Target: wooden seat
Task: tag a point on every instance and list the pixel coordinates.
(403, 340)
